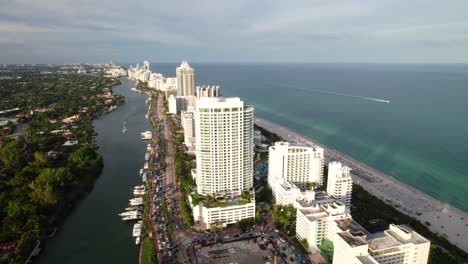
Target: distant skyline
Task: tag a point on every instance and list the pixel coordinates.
(64, 31)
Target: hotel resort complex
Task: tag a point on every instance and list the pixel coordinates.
(219, 131)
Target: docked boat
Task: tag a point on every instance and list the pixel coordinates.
(137, 241)
(139, 192)
(132, 217)
(139, 187)
(130, 213)
(133, 208)
(141, 172)
(147, 156)
(136, 230)
(134, 89)
(148, 147)
(144, 177)
(145, 166)
(137, 203)
(146, 135)
(138, 199)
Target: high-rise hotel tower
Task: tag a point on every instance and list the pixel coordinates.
(224, 140)
(185, 80)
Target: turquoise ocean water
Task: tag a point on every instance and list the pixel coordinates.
(420, 137)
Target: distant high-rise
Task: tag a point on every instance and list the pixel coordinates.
(207, 91)
(185, 80)
(146, 66)
(224, 142)
(340, 183)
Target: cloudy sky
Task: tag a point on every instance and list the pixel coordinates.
(58, 31)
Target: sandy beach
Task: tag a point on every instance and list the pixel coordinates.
(449, 221)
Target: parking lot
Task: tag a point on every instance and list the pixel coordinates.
(236, 252)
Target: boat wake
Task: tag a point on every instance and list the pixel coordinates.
(353, 96)
(124, 127)
(335, 93)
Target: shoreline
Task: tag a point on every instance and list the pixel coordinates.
(445, 219)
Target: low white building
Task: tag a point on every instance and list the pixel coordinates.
(316, 223)
(287, 193)
(397, 245)
(224, 215)
(340, 183)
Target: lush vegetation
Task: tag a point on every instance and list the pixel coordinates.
(149, 254)
(284, 218)
(183, 166)
(375, 215)
(271, 137)
(41, 179)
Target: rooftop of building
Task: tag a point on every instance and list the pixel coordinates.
(292, 149)
(348, 224)
(367, 260)
(320, 198)
(353, 241)
(320, 211)
(395, 236)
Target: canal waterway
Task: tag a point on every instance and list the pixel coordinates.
(94, 233)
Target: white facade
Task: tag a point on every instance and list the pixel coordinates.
(316, 223)
(185, 80)
(350, 249)
(397, 245)
(224, 151)
(207, 91)
(146, 66)
(172, 105)
(224, 132)
(224, 215)
(298, 165)
(188, 124)
(287, 193)
(340, 183)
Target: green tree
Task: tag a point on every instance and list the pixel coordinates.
(11, 156)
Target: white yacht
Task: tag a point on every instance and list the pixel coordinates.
(146, 135)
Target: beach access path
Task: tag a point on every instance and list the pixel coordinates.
(443, 218)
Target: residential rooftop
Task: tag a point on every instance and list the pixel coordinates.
(351, 240)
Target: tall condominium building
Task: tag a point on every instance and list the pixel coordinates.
(185, 80)
(146, 66)
(397, 245)
(340, 183)
(224, 140)
(295, 164)
(224, 151)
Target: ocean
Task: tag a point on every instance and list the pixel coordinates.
(409, 121)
